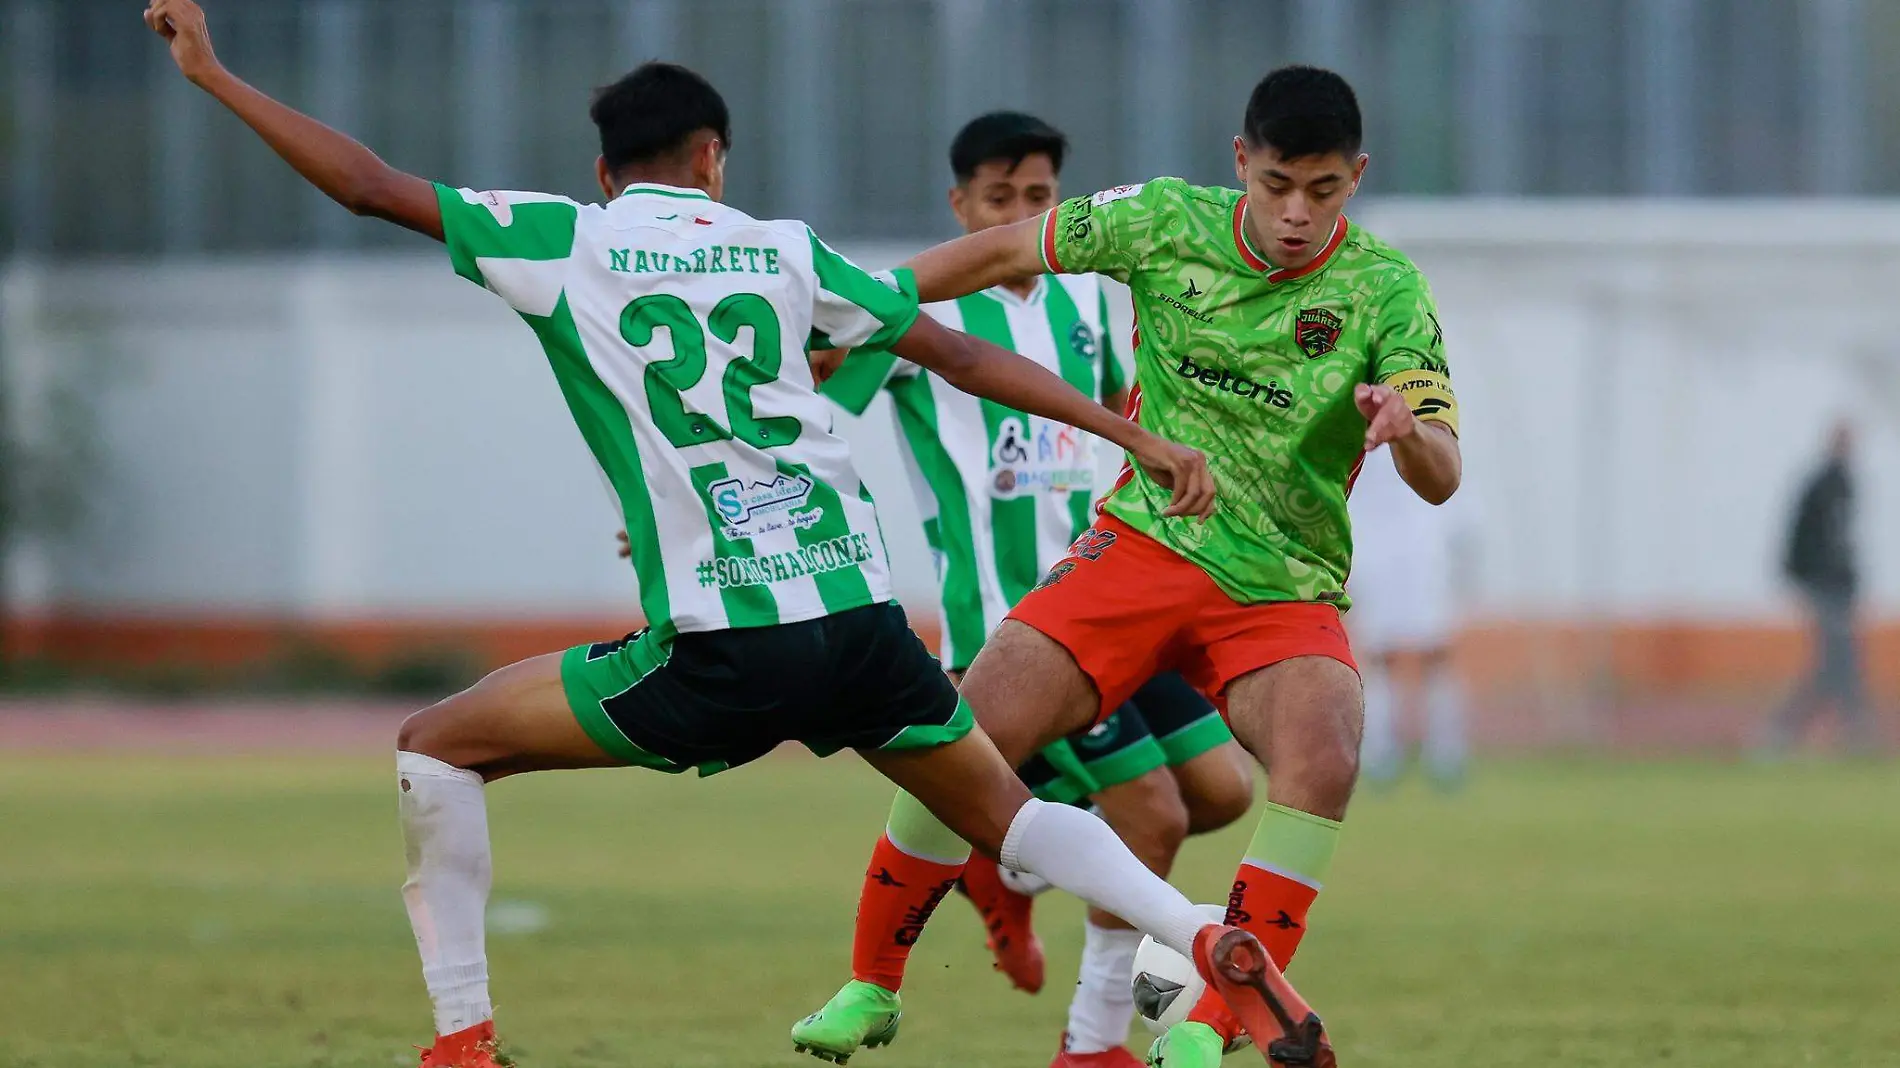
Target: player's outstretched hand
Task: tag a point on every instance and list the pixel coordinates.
(1181, 469)
(1388, 417)
(182, 23)
(825, 363)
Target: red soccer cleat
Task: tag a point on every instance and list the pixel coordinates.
(1282, 1024)
(1012, 940)
(1116, 1057)
(471, 1047)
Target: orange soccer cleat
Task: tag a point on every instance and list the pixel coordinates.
(1116, 1057)
(1266, 1006)
(1012, 940)
(471, 1047)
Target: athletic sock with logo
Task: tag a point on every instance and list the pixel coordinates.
(1285, 865)
(1104, 1002)
(914, 867)
(445, 838)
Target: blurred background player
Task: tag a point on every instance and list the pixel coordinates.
(1003, 495)
(1403, 621)
(1820, 561)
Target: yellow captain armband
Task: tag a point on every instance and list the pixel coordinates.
(1429, 395)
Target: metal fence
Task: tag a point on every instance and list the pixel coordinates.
(844, 108)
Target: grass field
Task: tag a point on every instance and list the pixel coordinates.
(243, 913)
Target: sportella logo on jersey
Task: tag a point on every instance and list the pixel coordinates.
(1040, 457)
(763, 507)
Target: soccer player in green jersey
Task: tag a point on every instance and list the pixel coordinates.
(677, 328)
(1004, 494)
(1286, 341)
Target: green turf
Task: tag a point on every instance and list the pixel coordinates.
(243, 914)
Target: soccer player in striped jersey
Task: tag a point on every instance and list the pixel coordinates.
(677, 328)
(1289, 342)
(1004, 493)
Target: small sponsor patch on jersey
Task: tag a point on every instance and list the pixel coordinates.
(1120, 192)
(762, 507)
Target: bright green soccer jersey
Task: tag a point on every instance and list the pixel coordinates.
(1255, 366)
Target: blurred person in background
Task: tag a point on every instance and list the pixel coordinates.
(1403, 622)
(1004, 494)
(1820, 561)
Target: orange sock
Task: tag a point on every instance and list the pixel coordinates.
(900, 892)
(1268, 901)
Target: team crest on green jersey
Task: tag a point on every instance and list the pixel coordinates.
(1316, 331)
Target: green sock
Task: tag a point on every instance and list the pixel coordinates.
(1294, 844)
(915, 831)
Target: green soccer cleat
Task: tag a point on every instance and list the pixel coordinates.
(1187, 1045)
(862, 1014)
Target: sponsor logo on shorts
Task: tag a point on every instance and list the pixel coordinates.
(1316, 331)
(832, 554)
(1270, 392)
(1056, 574)
(746, 511)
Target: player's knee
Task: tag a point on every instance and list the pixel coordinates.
(1221, 797)
(438, 731)
(1151, 819)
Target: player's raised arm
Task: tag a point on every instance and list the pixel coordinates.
(975, 262)
(344, 170)
(1411, 405)
(977, 367)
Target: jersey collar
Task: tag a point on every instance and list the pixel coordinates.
(1244, 245)
(659, 190)
(1008, 295)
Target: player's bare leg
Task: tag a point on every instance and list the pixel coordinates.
(1301, 719)
(516, 719)
(1217, 787)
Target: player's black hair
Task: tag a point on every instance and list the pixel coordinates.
(652, 112)
(1004, 135)
(1303, 111)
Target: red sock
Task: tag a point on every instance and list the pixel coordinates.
(1273, 909)
(900, 892)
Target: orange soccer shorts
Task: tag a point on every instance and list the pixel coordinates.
(1126, 606)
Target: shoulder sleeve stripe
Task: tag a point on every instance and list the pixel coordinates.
(1049, 259)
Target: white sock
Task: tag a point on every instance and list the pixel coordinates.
(1445, 742)
(1104, 1002)
(445, 836)
(1080, 854)
(1023, 882)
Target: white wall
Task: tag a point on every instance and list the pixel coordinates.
(1643, 386)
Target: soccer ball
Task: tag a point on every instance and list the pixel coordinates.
(1167, 984)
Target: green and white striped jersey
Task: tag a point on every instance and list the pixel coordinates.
(677, 328)
(1003, 493)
